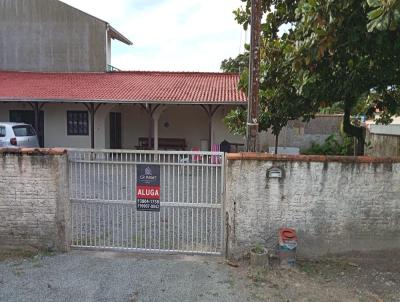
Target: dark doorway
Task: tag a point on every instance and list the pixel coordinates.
(115, 130)
(28, 117)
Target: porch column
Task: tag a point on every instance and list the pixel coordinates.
(156, 114)
(92, 111)
(210, 111)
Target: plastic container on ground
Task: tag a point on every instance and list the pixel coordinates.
(287, 247)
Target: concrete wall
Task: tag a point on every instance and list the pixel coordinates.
(300, 135)
(48, 35)
(382, 145)
(34, 201)
(336, 204)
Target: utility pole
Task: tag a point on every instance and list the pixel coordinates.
(254, 77)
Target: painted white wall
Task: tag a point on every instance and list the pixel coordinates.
(55, 127)
(189, 122)
(55, 124)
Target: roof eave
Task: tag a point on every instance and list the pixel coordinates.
(115, 34)
(104, 101)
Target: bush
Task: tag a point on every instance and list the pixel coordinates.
(332, 146)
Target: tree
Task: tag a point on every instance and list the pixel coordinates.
(236, 65)
(279, 102)
(334, 52)
(385, 15)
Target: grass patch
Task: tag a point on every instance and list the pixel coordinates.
(326, 267)
(21, 254)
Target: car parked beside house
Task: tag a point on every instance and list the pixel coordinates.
(17, 135)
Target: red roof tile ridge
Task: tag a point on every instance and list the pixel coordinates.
(123, 72)
(176, 72)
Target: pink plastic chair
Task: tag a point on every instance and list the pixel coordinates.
(215, 159)
(196, 158)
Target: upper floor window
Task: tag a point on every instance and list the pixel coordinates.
(77, 123)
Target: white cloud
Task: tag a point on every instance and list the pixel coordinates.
(189, 35)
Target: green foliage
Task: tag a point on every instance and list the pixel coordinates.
(332, 146)
(385, 15)
(235, 120)
(236, 65)
(335, 108)
(258, 249)
(333, 54)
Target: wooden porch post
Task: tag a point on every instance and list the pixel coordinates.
(92, 111)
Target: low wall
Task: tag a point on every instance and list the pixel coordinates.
(336, 204)
(34, 204)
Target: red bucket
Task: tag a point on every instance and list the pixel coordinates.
(286, 234)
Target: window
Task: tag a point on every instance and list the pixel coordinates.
(2, 132)
(23, 130)
(77, 123)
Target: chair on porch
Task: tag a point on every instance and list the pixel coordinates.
(215, 159)
(196, 158)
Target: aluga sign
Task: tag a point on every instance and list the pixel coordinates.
(148, 188)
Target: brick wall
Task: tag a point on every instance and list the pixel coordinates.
(336, 204)
(34, 204)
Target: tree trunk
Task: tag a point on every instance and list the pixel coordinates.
(276, 143)
(354, 131)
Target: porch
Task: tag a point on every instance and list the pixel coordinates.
(124, 126)
(123, 110)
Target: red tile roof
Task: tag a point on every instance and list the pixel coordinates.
(135, 86)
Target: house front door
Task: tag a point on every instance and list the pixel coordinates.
(115, 130)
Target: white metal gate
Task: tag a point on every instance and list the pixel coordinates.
(103, 201)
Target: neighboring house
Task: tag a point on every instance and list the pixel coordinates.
(383, 140)
(49, 35)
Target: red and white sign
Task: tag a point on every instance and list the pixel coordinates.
(150, 192)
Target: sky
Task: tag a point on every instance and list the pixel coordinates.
(170, 35)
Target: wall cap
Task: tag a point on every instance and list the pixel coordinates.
(310, 158)
(33, 151)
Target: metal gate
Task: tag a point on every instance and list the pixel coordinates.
(103, 201)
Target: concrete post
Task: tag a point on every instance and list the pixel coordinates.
(156, 116)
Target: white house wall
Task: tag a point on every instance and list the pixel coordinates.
(190, 122)
(183, 121)
(176, 121)
(55, 124)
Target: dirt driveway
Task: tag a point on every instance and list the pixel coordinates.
(108, 276)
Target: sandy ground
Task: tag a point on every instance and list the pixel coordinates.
(109, 276)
